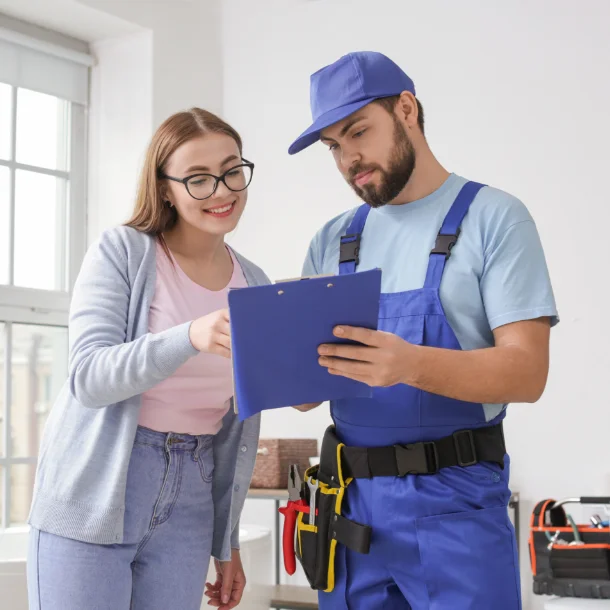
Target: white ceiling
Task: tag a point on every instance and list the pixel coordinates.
(68, 17)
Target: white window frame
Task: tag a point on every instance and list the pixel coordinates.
(34, 306)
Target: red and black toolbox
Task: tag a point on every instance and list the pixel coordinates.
(570, 560)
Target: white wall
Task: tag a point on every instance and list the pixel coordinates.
(120, 123)
(140, 80)
(516, 95)
(18, 25)
(70, 18)
(186, 50)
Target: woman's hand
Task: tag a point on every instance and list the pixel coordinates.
(230, 583)
(212, 333)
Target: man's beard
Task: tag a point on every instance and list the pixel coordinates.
(395, 178)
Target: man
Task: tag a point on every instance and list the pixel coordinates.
(464, 328)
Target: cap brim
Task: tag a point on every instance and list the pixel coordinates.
(312, 134)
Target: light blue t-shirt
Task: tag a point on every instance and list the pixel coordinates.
(497, 272)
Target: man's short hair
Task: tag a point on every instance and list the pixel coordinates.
(389, 103)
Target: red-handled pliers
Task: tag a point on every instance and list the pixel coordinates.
(296, 504)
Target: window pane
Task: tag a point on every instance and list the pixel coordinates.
(2, 497)
(22, 485)
(2, 378)
(42, 132)
(40, 224)
(5, 186)
(39, 367)
(6, 104)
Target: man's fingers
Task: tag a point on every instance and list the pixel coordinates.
(368, 337)
(307, 407)
(347, 368)
(360, 378)
(348, 352)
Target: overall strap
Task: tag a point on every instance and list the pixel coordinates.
(449, 233)
(350, 242)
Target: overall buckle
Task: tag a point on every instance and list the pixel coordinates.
(417, 458)
(444, 244)
(464, 439)
(350, 249)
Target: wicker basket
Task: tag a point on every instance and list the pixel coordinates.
(274, 457)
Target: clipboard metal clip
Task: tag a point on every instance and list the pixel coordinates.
(305, 277)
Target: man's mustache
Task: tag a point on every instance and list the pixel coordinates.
(361, 169)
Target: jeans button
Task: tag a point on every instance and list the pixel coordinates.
(244, 448)
(236, 488)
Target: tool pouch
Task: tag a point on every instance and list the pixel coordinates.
(316, 544)
(562, 564)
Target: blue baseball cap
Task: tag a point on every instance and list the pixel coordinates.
(342, 88)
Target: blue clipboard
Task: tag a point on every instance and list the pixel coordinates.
(276, 331)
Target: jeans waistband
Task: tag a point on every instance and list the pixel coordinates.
(173, 440)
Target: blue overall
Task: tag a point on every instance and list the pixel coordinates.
(439, 542)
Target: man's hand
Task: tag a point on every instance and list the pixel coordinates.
(307, 407)
(382, 361)
(514, 370)
(230, 583)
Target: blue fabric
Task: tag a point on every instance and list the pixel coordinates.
(354, 232)
(418, 317)
(451, 226)
(442, 542)
(164, 557)
(80, 493)
(439, 542)
(345, 86)
(497, 273)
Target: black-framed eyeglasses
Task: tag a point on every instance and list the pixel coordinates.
(202, 186)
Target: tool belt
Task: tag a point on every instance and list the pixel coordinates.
(340, 465)
(569, 560)
(462, 448)
(316, 543)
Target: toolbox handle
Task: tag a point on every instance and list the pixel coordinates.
(584, 500)
(595, 500)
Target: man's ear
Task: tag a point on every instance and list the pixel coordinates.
(407, 109)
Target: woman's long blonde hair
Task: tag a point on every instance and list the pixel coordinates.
(152, 214)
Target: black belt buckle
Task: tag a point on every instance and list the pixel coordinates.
(471, 447)
(414, 459)
(350, 250)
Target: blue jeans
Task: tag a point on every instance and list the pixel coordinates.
(164, 558)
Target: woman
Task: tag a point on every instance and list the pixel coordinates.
(144, 467)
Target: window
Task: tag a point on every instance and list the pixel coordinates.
(42, 221)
